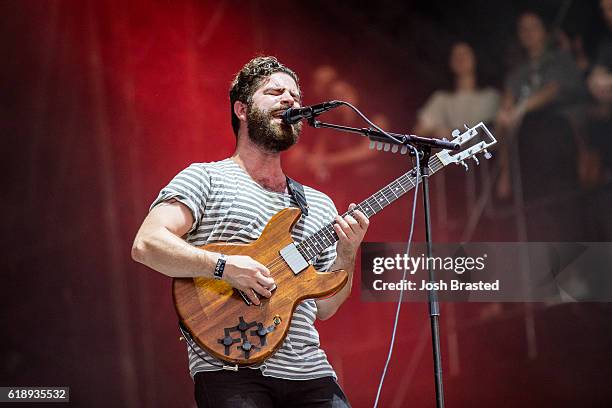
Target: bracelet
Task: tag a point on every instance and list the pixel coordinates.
(219, 267)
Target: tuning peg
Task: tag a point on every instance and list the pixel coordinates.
(466, 126)
(464, 165)
(456, 133)
(476, 160)
(487, 154)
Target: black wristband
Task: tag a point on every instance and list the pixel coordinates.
(219, 267)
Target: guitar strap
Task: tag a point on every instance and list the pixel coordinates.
(297, 192)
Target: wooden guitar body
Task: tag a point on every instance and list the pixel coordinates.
(211, 310)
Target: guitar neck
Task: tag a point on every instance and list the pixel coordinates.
(326, 236)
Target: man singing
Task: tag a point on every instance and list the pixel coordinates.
(231, 201)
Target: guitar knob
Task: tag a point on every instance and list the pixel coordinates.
(246, 346)
(456, 132)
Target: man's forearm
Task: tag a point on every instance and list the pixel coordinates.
(326, 308)
(166, 253)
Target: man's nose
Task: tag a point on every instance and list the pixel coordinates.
(287, 99)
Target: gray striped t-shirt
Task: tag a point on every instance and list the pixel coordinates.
(229, 206)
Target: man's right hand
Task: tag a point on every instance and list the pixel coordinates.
(249, 276)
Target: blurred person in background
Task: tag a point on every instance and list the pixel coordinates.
(600, 131)
(600, 87)
(467, 103)
(464, 100)
(538, 95)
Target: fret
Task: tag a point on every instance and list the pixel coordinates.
(310, 251)
(312, 246)
(368, 201)
(307, 244)
(304, 252)
(375, 201)
(363, 209)
(322, 239)
(396, 188)
(328, 236)
(372, 212)
(384, 194)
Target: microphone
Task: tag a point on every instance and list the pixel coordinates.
(294, 115)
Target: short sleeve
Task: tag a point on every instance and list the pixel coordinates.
(432, 114)
(190, 187)
(490, 105)
(565, 73)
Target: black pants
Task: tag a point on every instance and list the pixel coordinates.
(248, 388)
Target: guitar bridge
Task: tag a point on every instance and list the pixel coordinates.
(244, 345)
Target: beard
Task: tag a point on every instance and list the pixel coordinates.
(271, 136)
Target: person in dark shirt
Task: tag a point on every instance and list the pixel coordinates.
(600, 132)
(537, 96)
(600, 87)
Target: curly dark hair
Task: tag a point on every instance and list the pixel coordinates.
(249, 79)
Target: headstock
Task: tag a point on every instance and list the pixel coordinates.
(473, 140)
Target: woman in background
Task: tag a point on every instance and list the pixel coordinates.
(467, 103)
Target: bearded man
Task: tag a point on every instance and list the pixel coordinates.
(231, 201)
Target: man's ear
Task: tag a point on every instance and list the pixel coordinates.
(240, 109)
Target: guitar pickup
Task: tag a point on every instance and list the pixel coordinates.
(294, 259)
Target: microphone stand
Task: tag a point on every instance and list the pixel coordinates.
(432, 295)
(377, 136)
(423, 146)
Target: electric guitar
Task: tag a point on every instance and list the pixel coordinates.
(221, 319)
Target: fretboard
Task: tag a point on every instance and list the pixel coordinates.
(326, 236)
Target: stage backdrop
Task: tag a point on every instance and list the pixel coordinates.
(103, 102)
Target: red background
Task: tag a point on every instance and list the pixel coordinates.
(103, 102)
